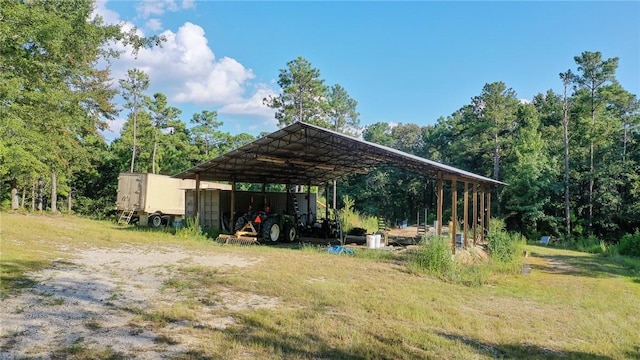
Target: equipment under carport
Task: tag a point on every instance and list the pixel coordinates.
(262, 227)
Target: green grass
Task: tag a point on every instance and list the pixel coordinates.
(572, 306)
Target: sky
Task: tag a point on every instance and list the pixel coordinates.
(404, 62)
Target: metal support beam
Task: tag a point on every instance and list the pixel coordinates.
(454, 213)
(465, 216)
(439, 209)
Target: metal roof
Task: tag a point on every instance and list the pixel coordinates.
(303, 154)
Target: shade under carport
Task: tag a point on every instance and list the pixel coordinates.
(305, 154)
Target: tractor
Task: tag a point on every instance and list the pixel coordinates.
(267, 227)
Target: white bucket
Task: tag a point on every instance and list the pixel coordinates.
(371, 241)
(378, 238)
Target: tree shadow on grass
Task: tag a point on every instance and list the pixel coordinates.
(586, 266)
(254, 332)
(12, 274)
(520, 351)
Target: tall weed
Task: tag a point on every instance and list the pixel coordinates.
(191, 229)
(351, 218)
(433, 257)
(505, 249)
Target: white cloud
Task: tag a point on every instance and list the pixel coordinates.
(109, 16)
(148, 8)
(153, 24)
(188, 4)
(186, 69)
(253, 105)
(115, 126)
(524, 101)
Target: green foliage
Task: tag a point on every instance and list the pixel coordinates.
(506, 249)
(589, 244)
(351, 218)
(630, 245)
(302, 97)
(433, 257)
(341, 111)
(191, 229)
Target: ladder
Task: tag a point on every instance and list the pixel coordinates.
(296, 208)
(422, 223)
(125, 216)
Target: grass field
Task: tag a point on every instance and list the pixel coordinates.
(322, 306)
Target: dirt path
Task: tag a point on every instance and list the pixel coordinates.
(90, 302)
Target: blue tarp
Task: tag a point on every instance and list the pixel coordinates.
(337, 249)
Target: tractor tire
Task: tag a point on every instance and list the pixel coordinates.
(242, 221)
(271, 230)
(155, 221)
(290, 233)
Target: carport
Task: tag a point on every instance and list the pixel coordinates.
(304, 154)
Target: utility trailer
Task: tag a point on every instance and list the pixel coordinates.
(154, 200)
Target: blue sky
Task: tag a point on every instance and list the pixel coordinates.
(404, 62)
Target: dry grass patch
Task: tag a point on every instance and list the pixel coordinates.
(299, 304)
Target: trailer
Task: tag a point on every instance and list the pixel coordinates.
(154, 200)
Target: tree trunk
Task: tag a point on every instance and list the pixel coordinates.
(40, 194)
(496, 169)
(33, 197)
(24, 196)
(54, 192)
(591, 166)
(69, 202)
(15, 200)
(565, 128)
(135, 117)
(153, 156)
(625, 138)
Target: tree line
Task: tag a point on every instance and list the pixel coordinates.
(571, 159)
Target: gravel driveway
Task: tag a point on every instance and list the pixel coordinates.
(90, 302)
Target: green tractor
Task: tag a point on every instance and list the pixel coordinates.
(267, 228)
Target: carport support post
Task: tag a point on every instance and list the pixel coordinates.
(475, 212)
(481, 213)
(488, 211)
(454, 213)
(326, 205)
(439, 209)
(308, 204)
(233, 203)
(466, 214)
(335, 195)
(196, 203)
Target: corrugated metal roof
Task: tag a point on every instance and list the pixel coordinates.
(302, 153)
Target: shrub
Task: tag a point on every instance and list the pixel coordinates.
(590, 244)
(505, 248)
(433, 257)
(630, 244)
